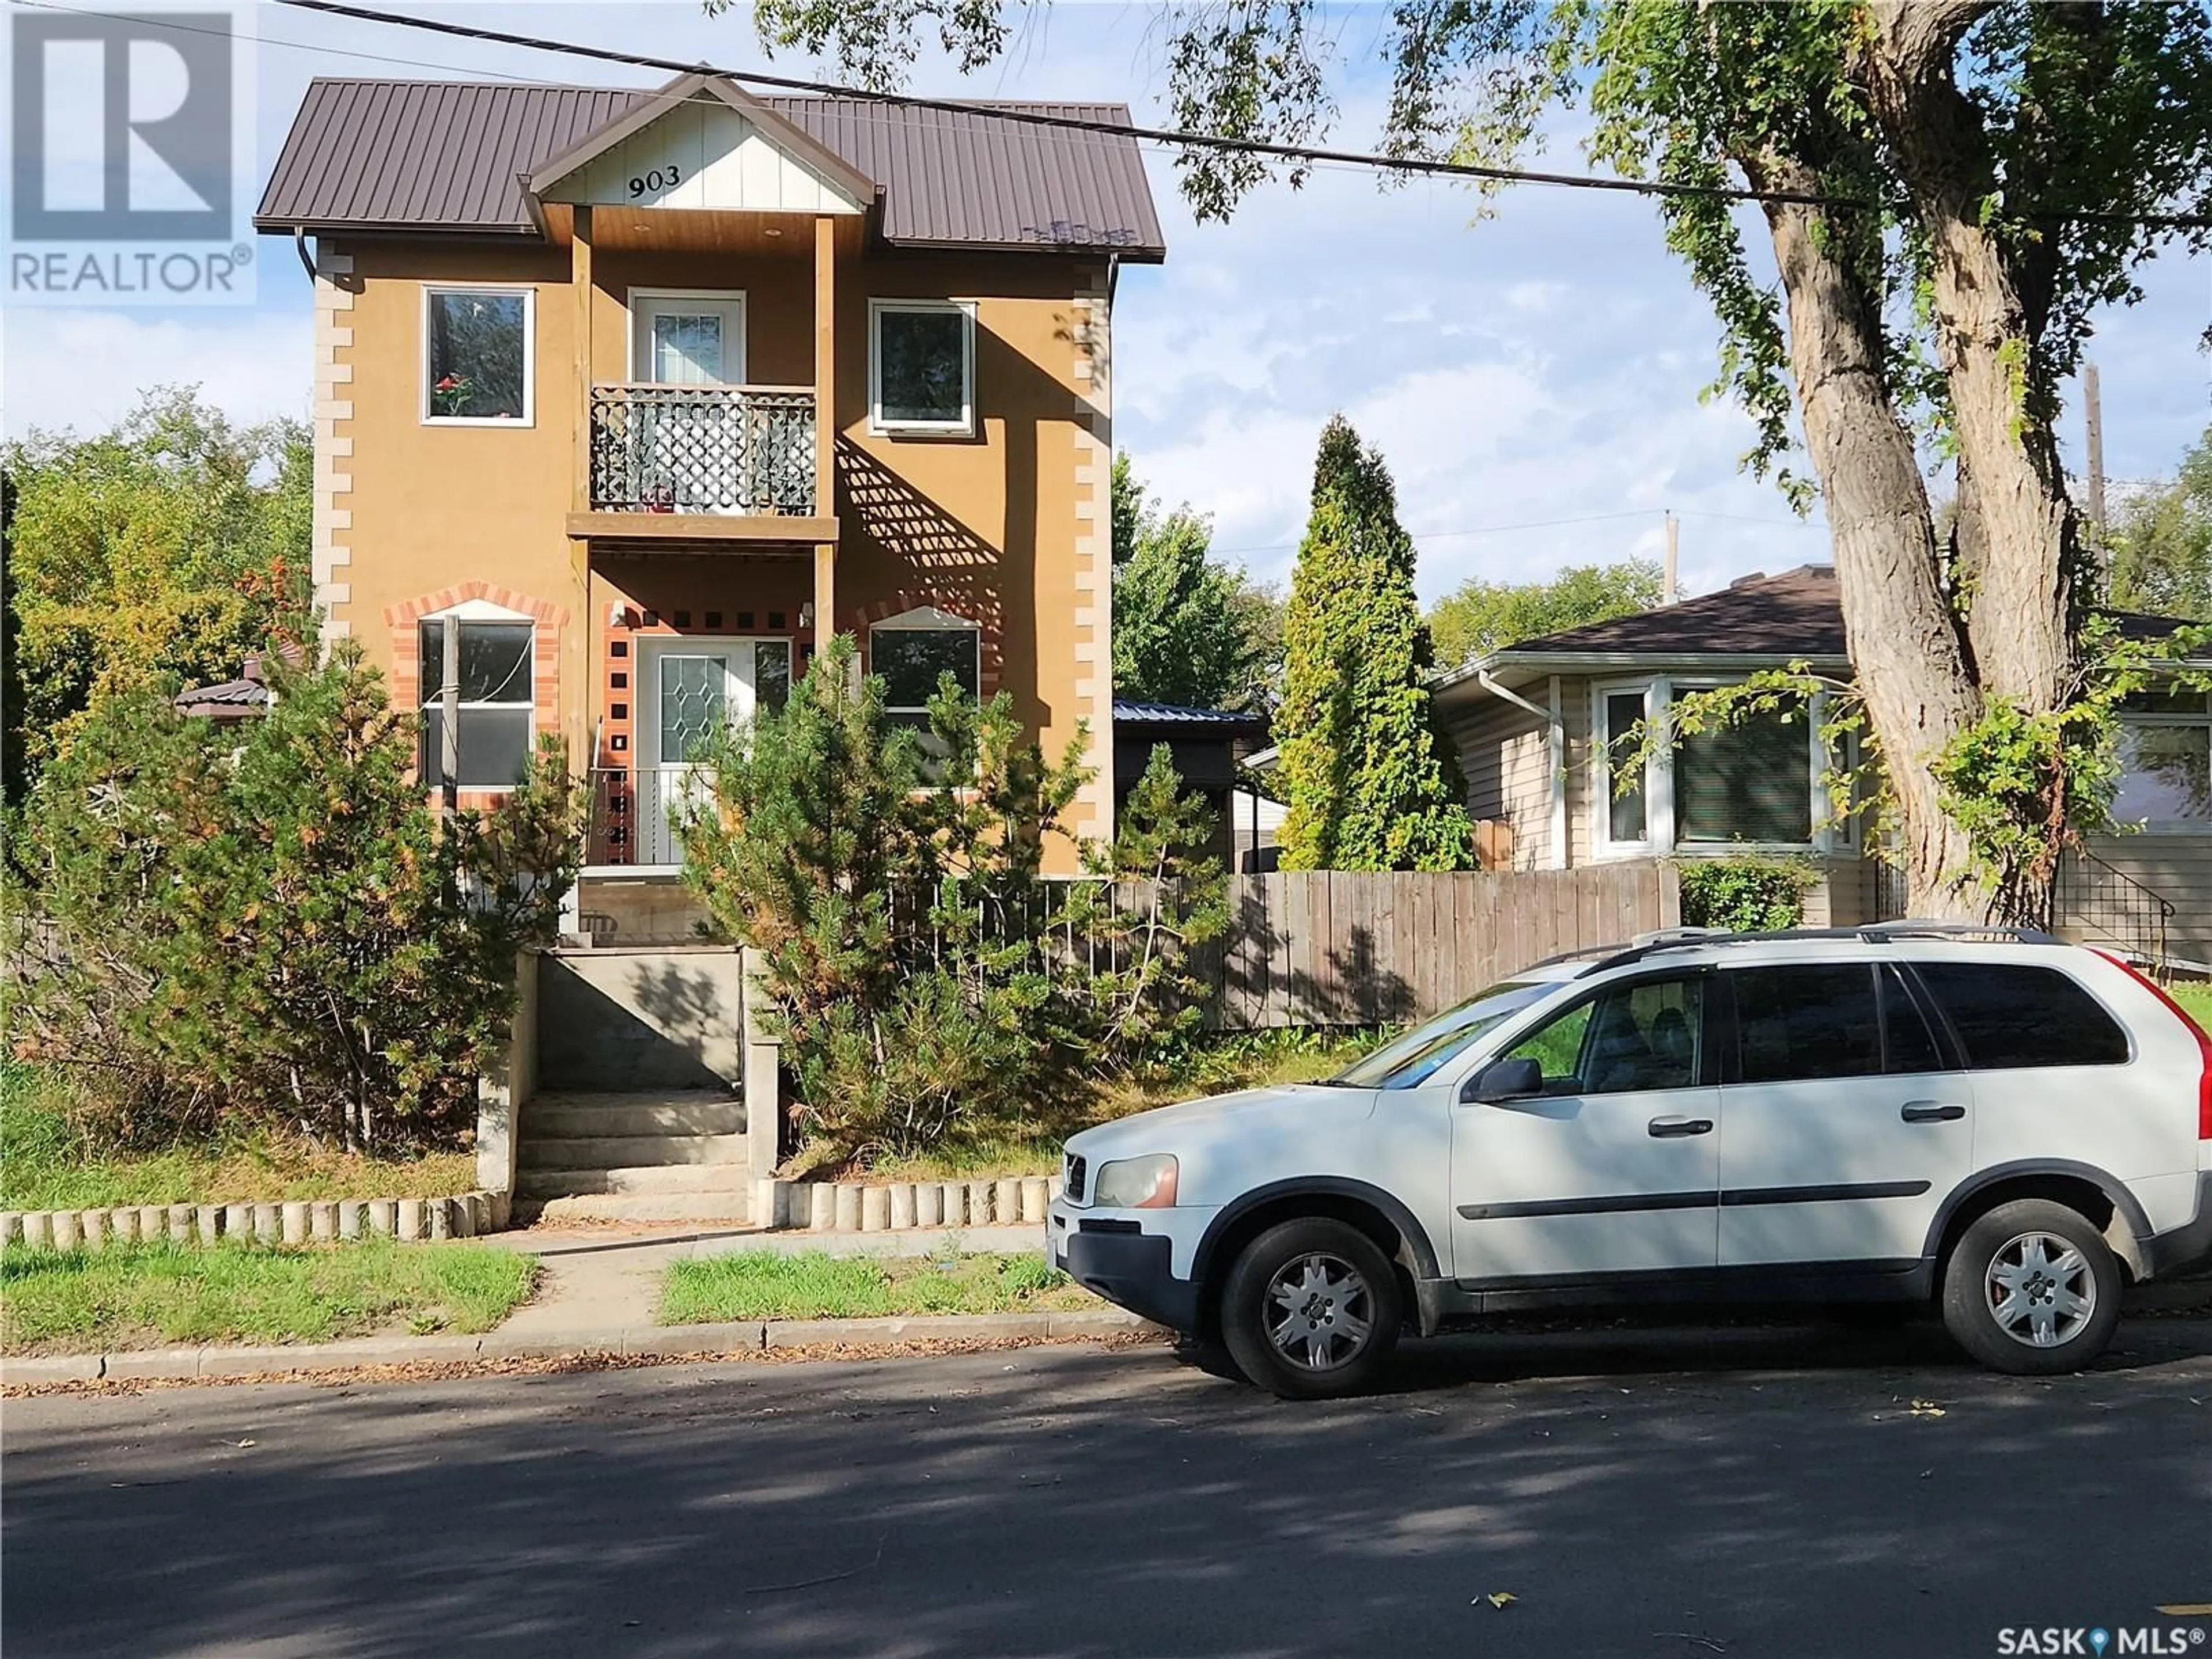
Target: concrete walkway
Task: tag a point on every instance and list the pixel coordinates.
(605, 1280)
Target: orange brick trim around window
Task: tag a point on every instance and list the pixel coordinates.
(964, 605)
(545, 655)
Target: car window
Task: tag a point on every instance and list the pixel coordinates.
(1410, 1060)
(2009, 1015)
(1908, 1045)
(1806, 1020)
(1646, 1035)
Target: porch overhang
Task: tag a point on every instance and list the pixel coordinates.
(791, 536)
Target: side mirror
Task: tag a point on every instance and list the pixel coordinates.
(1505, 1080)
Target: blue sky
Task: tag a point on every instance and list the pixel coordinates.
(1532, 379)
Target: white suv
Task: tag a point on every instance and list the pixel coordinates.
(2014, 1127)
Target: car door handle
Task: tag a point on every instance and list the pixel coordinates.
(1932, 1111)
(1663, 1129)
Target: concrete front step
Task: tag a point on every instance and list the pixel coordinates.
(620, 1151)
(732, 1206)
(635, 1180)
(631, 1116)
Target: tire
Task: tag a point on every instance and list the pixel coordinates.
(1310, 1309)
(2032, 1289)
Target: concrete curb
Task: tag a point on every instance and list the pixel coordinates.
(672, 1341)
(410, 1221)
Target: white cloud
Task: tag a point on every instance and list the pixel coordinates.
(86, 369)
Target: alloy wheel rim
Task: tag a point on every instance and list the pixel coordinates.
(1321, 1311)
(2039, 1289)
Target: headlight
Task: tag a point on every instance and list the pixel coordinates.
(1136, 1183)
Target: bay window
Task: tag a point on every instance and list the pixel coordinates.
(1759, 780)
(2166, 762)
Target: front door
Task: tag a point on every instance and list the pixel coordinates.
(1848, 1125)
(697, 687)
(1614, 1167)
(688, 450)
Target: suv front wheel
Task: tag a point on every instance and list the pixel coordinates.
(2032, 1289)
(1310, 1309)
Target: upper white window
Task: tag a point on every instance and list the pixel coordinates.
(498, 687)
(2166, 762)
(1759, 783)
(913, 653)
(477, 357)
(921, 366)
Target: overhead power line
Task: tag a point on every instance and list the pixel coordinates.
(1413, 165)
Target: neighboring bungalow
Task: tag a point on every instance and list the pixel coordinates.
(1532, 725)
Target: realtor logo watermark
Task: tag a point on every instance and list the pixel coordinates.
(2101, 1642)
(130, 166)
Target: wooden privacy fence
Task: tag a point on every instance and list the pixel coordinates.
(1339, 947)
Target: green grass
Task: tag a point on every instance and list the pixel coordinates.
(1255, 1060)
(147, 1295)
(46, 1165)
(810, 1284)
(2196, 996)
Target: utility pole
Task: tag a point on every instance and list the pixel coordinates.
(2092, 403)
(449, 706)
(1670, 590)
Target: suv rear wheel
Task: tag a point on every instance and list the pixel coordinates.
(1310, 1309)
(2032, 1289)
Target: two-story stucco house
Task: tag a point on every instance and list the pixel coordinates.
(656, 392)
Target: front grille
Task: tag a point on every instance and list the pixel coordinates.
(1072, 1184)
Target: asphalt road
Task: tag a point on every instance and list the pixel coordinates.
(1771, 1492)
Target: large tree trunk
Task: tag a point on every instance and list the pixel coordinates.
(2016, 522)
(1903, 640)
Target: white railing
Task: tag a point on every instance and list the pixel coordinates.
(633, 813)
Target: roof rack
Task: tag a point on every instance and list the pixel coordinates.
(1875, 932)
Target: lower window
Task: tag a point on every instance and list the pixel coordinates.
(498, 690)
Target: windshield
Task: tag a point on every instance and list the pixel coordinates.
(1408, 1061)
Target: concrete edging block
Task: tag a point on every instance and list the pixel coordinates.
(92, 1229)
(902, 1206)
(875, 1209)
(292, 1222)
(1035, 1195)
(11, 1226)
(928, 1204)
(410, 1226)
(37, 1231)
(269, 1222)
(1007, 1200)
(848, 1203)
(381, 1216)
(66, 1234)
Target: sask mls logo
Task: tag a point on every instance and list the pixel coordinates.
(126, 144)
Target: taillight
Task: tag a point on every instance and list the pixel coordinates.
(2204, 1042)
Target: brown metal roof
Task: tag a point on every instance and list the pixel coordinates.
(451, 155)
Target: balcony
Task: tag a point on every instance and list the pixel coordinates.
(702, 463)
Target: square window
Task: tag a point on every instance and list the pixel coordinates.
(1750, 781)
(923, 366)
(477, 355)
(911, 661)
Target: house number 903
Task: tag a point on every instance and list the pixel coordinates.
(659, 179)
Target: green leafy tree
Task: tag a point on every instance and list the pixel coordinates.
(1361, 778)
(1186, 629)
(174, 545)
(269, 922)
(1480, 617)
(2161, 543)
(1950, 188)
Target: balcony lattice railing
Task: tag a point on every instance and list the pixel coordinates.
(729, 449)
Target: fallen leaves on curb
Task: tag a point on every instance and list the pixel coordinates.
(1926, 1408)
(461, 1370)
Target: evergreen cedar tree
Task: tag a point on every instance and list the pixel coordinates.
(1363, 780)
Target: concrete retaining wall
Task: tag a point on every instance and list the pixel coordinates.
(325, 1220)
(629, 1021)
(901, 1205)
